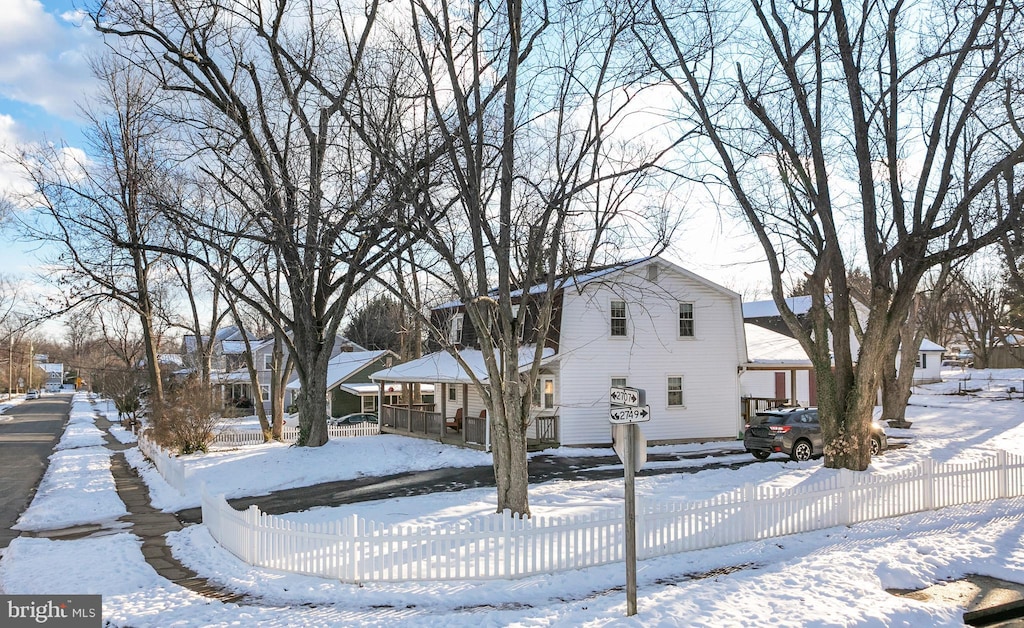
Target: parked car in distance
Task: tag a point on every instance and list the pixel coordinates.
(32, 394)
(797, 433)
(355, 418)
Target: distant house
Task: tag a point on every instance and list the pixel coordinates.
(349, 388)
(928, 366)
(230, 372)
(54, 376)
(645, 324)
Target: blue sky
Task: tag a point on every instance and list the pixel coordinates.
(44, 74)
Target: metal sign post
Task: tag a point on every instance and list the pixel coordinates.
(631, 447)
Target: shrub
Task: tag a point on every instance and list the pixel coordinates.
(185, 420)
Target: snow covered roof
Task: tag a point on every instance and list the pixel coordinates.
(233, 347)
(571, 280)
(928, 345)
(761, 309)
(442, 367)
(53, 368)
(345, 365)
(765, 346)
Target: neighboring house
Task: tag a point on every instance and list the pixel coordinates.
(349, 388)
(54, 376)
(928, 366)
(233, 377)
(765, 314)
(778, 372)
(645, 324)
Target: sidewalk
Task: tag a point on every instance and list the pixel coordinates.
(152, 525)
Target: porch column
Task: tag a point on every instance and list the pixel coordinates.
(407, 393)
(792, 387)
(465, 409)
(443, 388)
(380, 404)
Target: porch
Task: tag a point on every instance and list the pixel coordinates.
(468, 431)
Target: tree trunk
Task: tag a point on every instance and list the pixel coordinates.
(312, 355)
(508, 439)
(897, 384)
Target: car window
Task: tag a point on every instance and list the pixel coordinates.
(773, 419)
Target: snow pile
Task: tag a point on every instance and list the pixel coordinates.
(77, 488)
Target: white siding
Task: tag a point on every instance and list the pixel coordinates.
(652, 351)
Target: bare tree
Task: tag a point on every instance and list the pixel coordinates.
(529, 178)
(981, 315)
(850, 131)
(268, 91)
(99, 210)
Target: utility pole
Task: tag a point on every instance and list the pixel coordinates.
(31, 362)
(10, 367)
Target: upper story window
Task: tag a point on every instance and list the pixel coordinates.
(455, 331)
(268, 361)
(618, 318)
(686, 329)
(618, 382)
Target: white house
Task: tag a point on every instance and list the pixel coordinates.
(778, 371)
(645, 324)
(762, 318)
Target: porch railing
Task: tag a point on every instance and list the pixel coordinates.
(750, 406)
(414, 421)
(547, 429)
(475, 429)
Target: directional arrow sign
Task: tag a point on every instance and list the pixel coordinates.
(635, 414)
(624, 396)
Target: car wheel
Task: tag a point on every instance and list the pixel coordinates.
(876, 446)
(801, 450)
(760, 454)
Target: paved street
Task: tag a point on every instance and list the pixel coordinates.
(28, 433)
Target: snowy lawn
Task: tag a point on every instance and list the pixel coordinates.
(833, 577)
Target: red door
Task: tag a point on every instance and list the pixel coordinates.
(780, 385)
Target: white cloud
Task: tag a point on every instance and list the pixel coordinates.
(45, 57)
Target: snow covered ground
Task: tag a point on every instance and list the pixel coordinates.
(834, 577)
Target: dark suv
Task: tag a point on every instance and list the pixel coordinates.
(796, 432)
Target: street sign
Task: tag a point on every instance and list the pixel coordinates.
(624, 396)
(620, 440)
(635, 414)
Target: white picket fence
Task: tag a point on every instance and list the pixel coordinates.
(357, 550)
(240, 438)
(170, 466)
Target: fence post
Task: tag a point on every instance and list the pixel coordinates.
(506, 542)
(353, 562)
(749, 510)
(928, 473)
(1002, 475)
(251, 519)
(846, 478)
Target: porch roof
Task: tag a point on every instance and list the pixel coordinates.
(442, 367)
(344, 365)
(766, 347)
